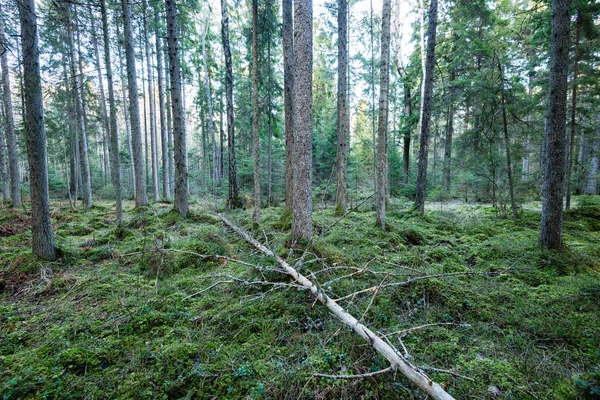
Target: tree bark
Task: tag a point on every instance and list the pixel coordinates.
(255, 114)
(592, 177)
(166, 192)
(211, 119)
(288, 96)
(426, 105)
(302, 111)
(141, 198)
(103, 110)
(511, 185)
(571, 154)
(114, 133)
(81, 125)
(151, 106)
(41, 227)
(382, 135)
(234, 200)
(179, 145)
(343, 117)
(449, 136)
(554, 166)
(3, 165)
(13, 161)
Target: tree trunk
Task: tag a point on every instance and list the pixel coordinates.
(426, 104)
(211, 119)
(302, 111)
(141, 198)
(373, 130)
(270, 127)
(343, 117)
(81, 125)
(382, 135)
(554, 168)
(103, 110)
(288, 96)
(181, 174)
(13, 161)
(114, 134)
(407, 128)
(234, 200)
(571, 154)
(592, 177)
(166, 192)
(511, 186)
(255, 115)
(151, 106)
(449, 135)
(3, 166)
(41, 227)
(169, 127)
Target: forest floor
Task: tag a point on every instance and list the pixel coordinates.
(113, 318)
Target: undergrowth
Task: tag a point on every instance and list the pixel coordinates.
(111, 318)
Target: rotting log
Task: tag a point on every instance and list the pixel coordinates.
(389, 352)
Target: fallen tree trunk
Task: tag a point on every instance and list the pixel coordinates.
(389, 352)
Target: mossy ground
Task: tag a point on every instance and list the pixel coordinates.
(108, 320)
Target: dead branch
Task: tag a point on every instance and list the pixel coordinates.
(358, 376)
(389, 352)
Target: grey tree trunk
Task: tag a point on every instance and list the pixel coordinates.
(302, 111)
(141, 199)
(103, 110)
(382, 134)
(592, 177)
(169, 127)
(408, 128)
(511, 185)
(166, 192)
(554, 165)
(77, 81)
(449, 136)
(571, 154)
(255, 115)
(373, 130)
(211, 119)
(152, 106)
(179, 146)
(426, 103)
(343, 117)
(270, 128)
(3, 165)
(288, 95)
(234, 200)
(13, 161)
(41, 227)
(114, 133)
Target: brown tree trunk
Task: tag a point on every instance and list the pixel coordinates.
(13, 161)
(426, 104)
(592, 177)
(554, 165)
(288, 96)
(511, 185)
(382, 136)
(181, 174)
(255, 115)
(81, 125)
(166, 192)
(449, 136)
(151, 106)
(3, 166)
(571, 154)
(141, 199)
(114, 134)
(343, 117)
(234, 200)
(302, 111)
(41, 227)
